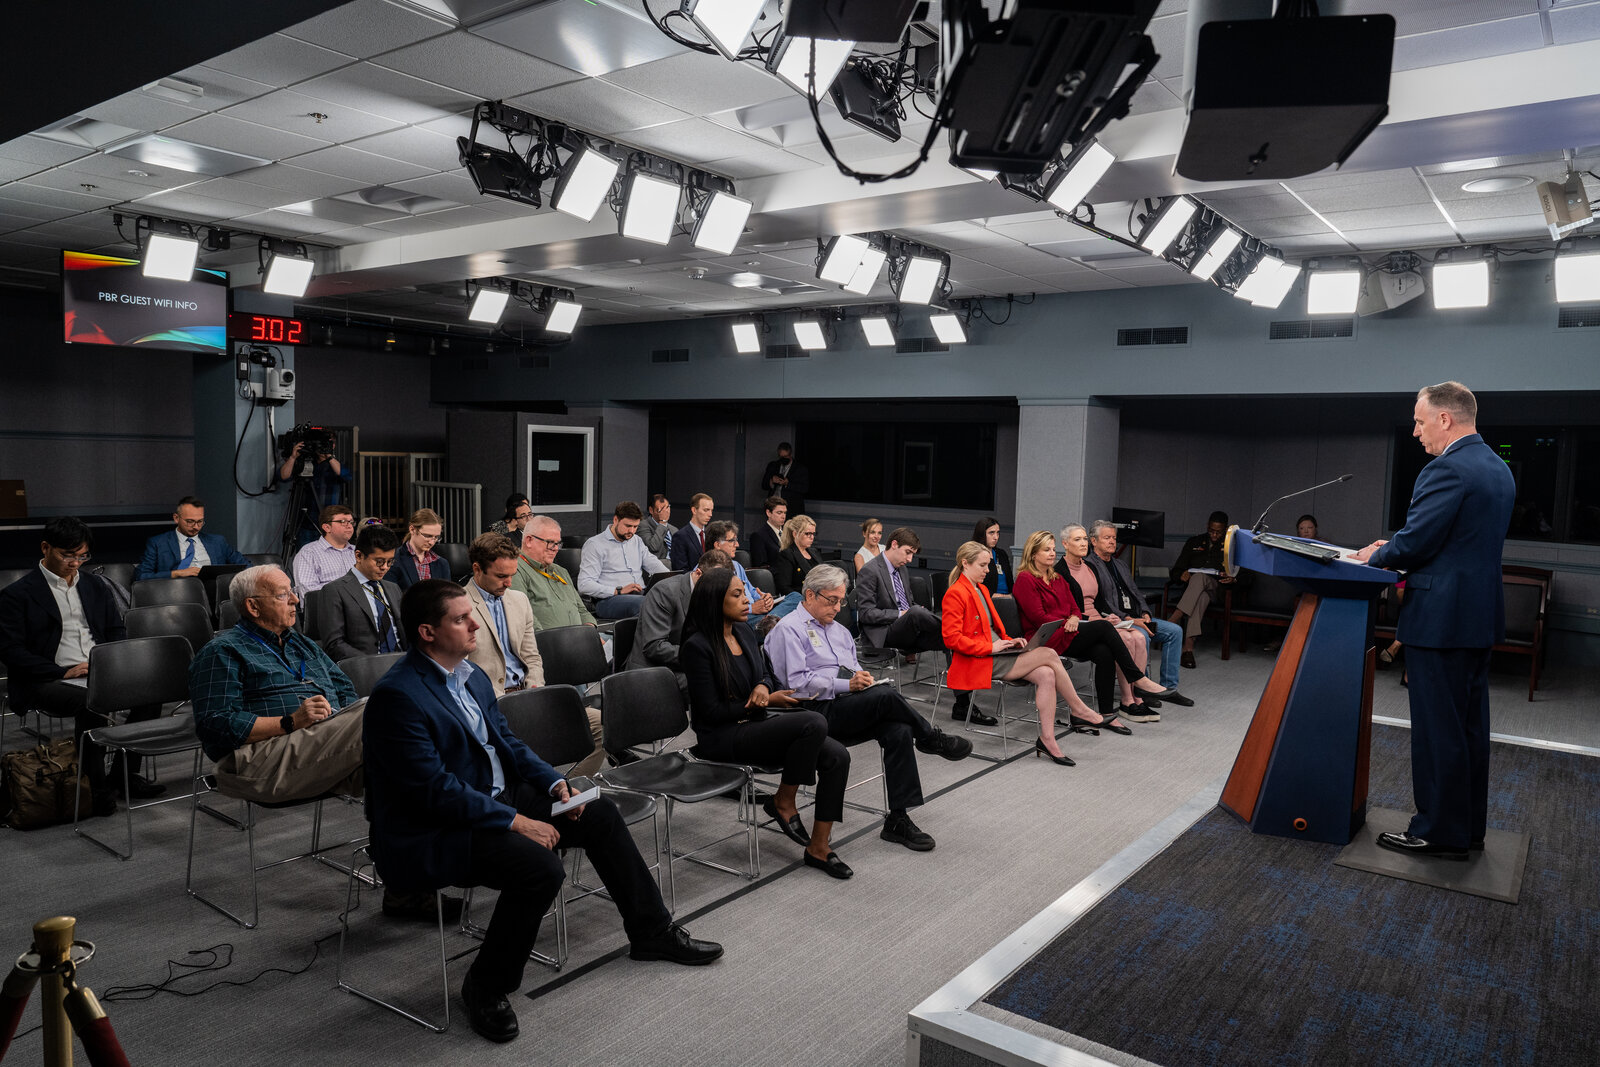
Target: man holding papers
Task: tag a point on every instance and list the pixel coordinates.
(1199, 568)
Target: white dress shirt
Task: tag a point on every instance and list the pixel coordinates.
(76, 640)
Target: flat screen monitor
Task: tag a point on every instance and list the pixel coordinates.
(1147, 529)
(106, 300)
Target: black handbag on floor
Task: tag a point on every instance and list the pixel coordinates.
(42, 785)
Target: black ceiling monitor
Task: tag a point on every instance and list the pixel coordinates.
(1147, 529)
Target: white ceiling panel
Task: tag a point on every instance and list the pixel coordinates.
(1089, 282)
(284, 222)
(1389, 237)
(759, 163)
(275, 61)
(111, 189)
(476, 66)
(387, 93)
(18, 214)
(1405, 190)
(413, 145)
(1516, 203)
(1390, 215)
(140, 110)
(693, 141)
(189, 206)
(583, 35)
(12, 169)
(700, 84)
(248, 138)
(1570, 23)
(65, 199)
(364, 167)
(1253, 209)
(450, 185)
(1167, 33)
(1296, 226)
(308, 184)
(46, 153)
(1523, 33)
(366, 28)
(126, 171)
(286, 109)
(1508, 228)
(234, 191)
(595, 107)
(1421, 16)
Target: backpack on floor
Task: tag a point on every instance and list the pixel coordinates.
(42, 785)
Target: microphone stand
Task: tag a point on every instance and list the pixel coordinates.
(1262, 521)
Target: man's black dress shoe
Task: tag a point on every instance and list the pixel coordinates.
(949, 746)
(675, 946)
(792, 827)
(489, 1014)
(977, 717)
(1407, 845)
(1187, 659)
(1175, 697)
(833, 866)
(420, 907)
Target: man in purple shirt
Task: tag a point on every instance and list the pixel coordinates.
(330, 556)
(815, 656)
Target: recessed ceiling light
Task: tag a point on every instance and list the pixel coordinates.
(1504, 183)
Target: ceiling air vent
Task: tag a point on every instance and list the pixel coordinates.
(787, 352)
(1153, 335)
(1579, 317)
(1311, 329)
(670, 355)
(535, 362)
(911, 346)
(475, 363)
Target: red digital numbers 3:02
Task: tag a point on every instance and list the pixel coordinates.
(266, 329)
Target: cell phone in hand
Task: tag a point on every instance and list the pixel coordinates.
(846, 673)
(580, 790)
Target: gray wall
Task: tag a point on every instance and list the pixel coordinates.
(385, 393)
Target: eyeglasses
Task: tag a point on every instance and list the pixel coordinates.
(381, 564)
(831, 601)
(285, 597)
(545, 540)
(522, 515)
(85, 558)
(341, 522)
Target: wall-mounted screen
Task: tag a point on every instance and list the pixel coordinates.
(106, 300)
(561, 468)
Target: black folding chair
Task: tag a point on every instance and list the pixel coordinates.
(189, 621)
(364, 671)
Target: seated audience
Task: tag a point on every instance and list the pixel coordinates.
(1118, 587)
(655, 531)
(1203, 551)
(888, 617)
(690, 540)
(986, 531)
(1090, 598)
(507, 649)
(417, 561)
(809, 651)
(50, 619)
(767, 540)
(456, 799)
(732, 697)
(666, 605)
(552, 593)
(181, 553)
(871, 549)
(1306, 526)
(794, 561)
(518, 511)
(275, 731)
(724, 535)
(615, 562)
(982, 653)
(329, 556)
(357, 615)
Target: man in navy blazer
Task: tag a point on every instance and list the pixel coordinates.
(1453, 613)
(181, 553)
(455, 798)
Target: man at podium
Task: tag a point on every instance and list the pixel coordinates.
(1454, 612)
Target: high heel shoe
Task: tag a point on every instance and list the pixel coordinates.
(1040, 750)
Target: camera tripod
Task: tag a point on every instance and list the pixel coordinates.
(298, 516)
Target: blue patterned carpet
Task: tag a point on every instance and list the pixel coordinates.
(1233, 948)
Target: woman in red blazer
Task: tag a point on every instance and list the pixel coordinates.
(981, 652)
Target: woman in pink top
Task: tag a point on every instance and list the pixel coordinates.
(1086, 588)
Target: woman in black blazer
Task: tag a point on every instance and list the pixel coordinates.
(986, 531)
(794, 560)
(731, 697)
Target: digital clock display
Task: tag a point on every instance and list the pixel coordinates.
(266, 329)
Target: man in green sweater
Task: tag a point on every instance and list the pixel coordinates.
(551, 590)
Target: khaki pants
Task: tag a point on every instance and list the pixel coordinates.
(590, 763)
(324, 757)
(1197, 594)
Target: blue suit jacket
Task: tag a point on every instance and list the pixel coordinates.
(161, 555)
(428, 781)
(1450, 548)
(685, 549)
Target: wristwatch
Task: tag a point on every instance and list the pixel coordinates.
(287, 722)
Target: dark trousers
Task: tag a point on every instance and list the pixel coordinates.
(529, 876)
(1098, 642)
(797, 741)
(63, 699)
(915, 631)
(880, 714)
(1449, 690)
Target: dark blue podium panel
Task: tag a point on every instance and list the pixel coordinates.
(1328, 578)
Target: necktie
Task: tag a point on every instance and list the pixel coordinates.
(188, 557)
(702, 542)
(666, 537)
(899, 591)
(386, 641)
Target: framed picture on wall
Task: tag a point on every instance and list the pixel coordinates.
(561, 468)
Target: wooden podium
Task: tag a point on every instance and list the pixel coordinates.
(1302, 769)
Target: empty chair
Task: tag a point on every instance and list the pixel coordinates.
(364, 671)
(1525, 598)
(921, 592)
(761, 578)
(573, 655)
(121, 573)
(259, 558)
(743, 557)
(227, 615)
(12, 575)
(306, 620)
(571, 559)
(622, 640)
(455, 555)
(170, 591)
(189, 621)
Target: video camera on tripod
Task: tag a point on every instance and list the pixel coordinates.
(320, 443)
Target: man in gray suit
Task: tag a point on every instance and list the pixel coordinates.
(889, 618)
(356, 613)
(660, 632)
(654, 531)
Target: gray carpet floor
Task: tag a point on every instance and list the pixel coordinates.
(816, 971)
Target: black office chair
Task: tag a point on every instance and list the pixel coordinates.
(455, 555)
(742, 557)
(170, 591)
(227, 615)
(260, 558)
(940, 584)
(761, 578)
(308, 614)
(571, 559)
(121, 573)
(622, 636)
(9, 576)
(189, 621)
(573, 655)
(364, 671)
(921, 592)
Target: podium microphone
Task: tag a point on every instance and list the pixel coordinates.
(1261, 522)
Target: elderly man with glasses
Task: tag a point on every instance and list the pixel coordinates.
(267, 701)
(550, 588)
(815, 656)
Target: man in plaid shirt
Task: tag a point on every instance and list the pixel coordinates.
(267, 699)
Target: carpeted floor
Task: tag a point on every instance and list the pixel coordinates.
(1242, 949)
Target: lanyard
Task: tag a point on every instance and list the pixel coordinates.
(299, 675)
(540, 568)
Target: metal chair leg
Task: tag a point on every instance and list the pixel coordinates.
(351, 894)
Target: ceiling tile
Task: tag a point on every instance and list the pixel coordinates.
(589, 37)
(46, 153)
(596, 107)
(222, 88)
(388, 93)
(11, 169)
(140, 110)
(1414, 18)
(249, 138)
(1393, 237)
(1517, 202)
(365, 167)
(234, 191)
(693, 141)
(1570, 23)
(1523, 33)
(12, 210)
(476, 66)
(65, 199)
(1406, 189)
(1247, 210)
(758, 163)
(276, 61)
(1388, 215)
(1508, 228)
(700, 84)
(286, 109)
(367, 28)
(1167, 34)
(285, 222)
(192, 207)
(121, 170)
(413, 145)
(108, 188)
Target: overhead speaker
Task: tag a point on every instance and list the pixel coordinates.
(1385, 292)
(1279, 98)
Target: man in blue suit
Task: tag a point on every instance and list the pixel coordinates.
(183, 552)
(1454, 612)
(456, 799)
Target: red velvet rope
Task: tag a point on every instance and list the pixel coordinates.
(10, 1015)
(100, 1044)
